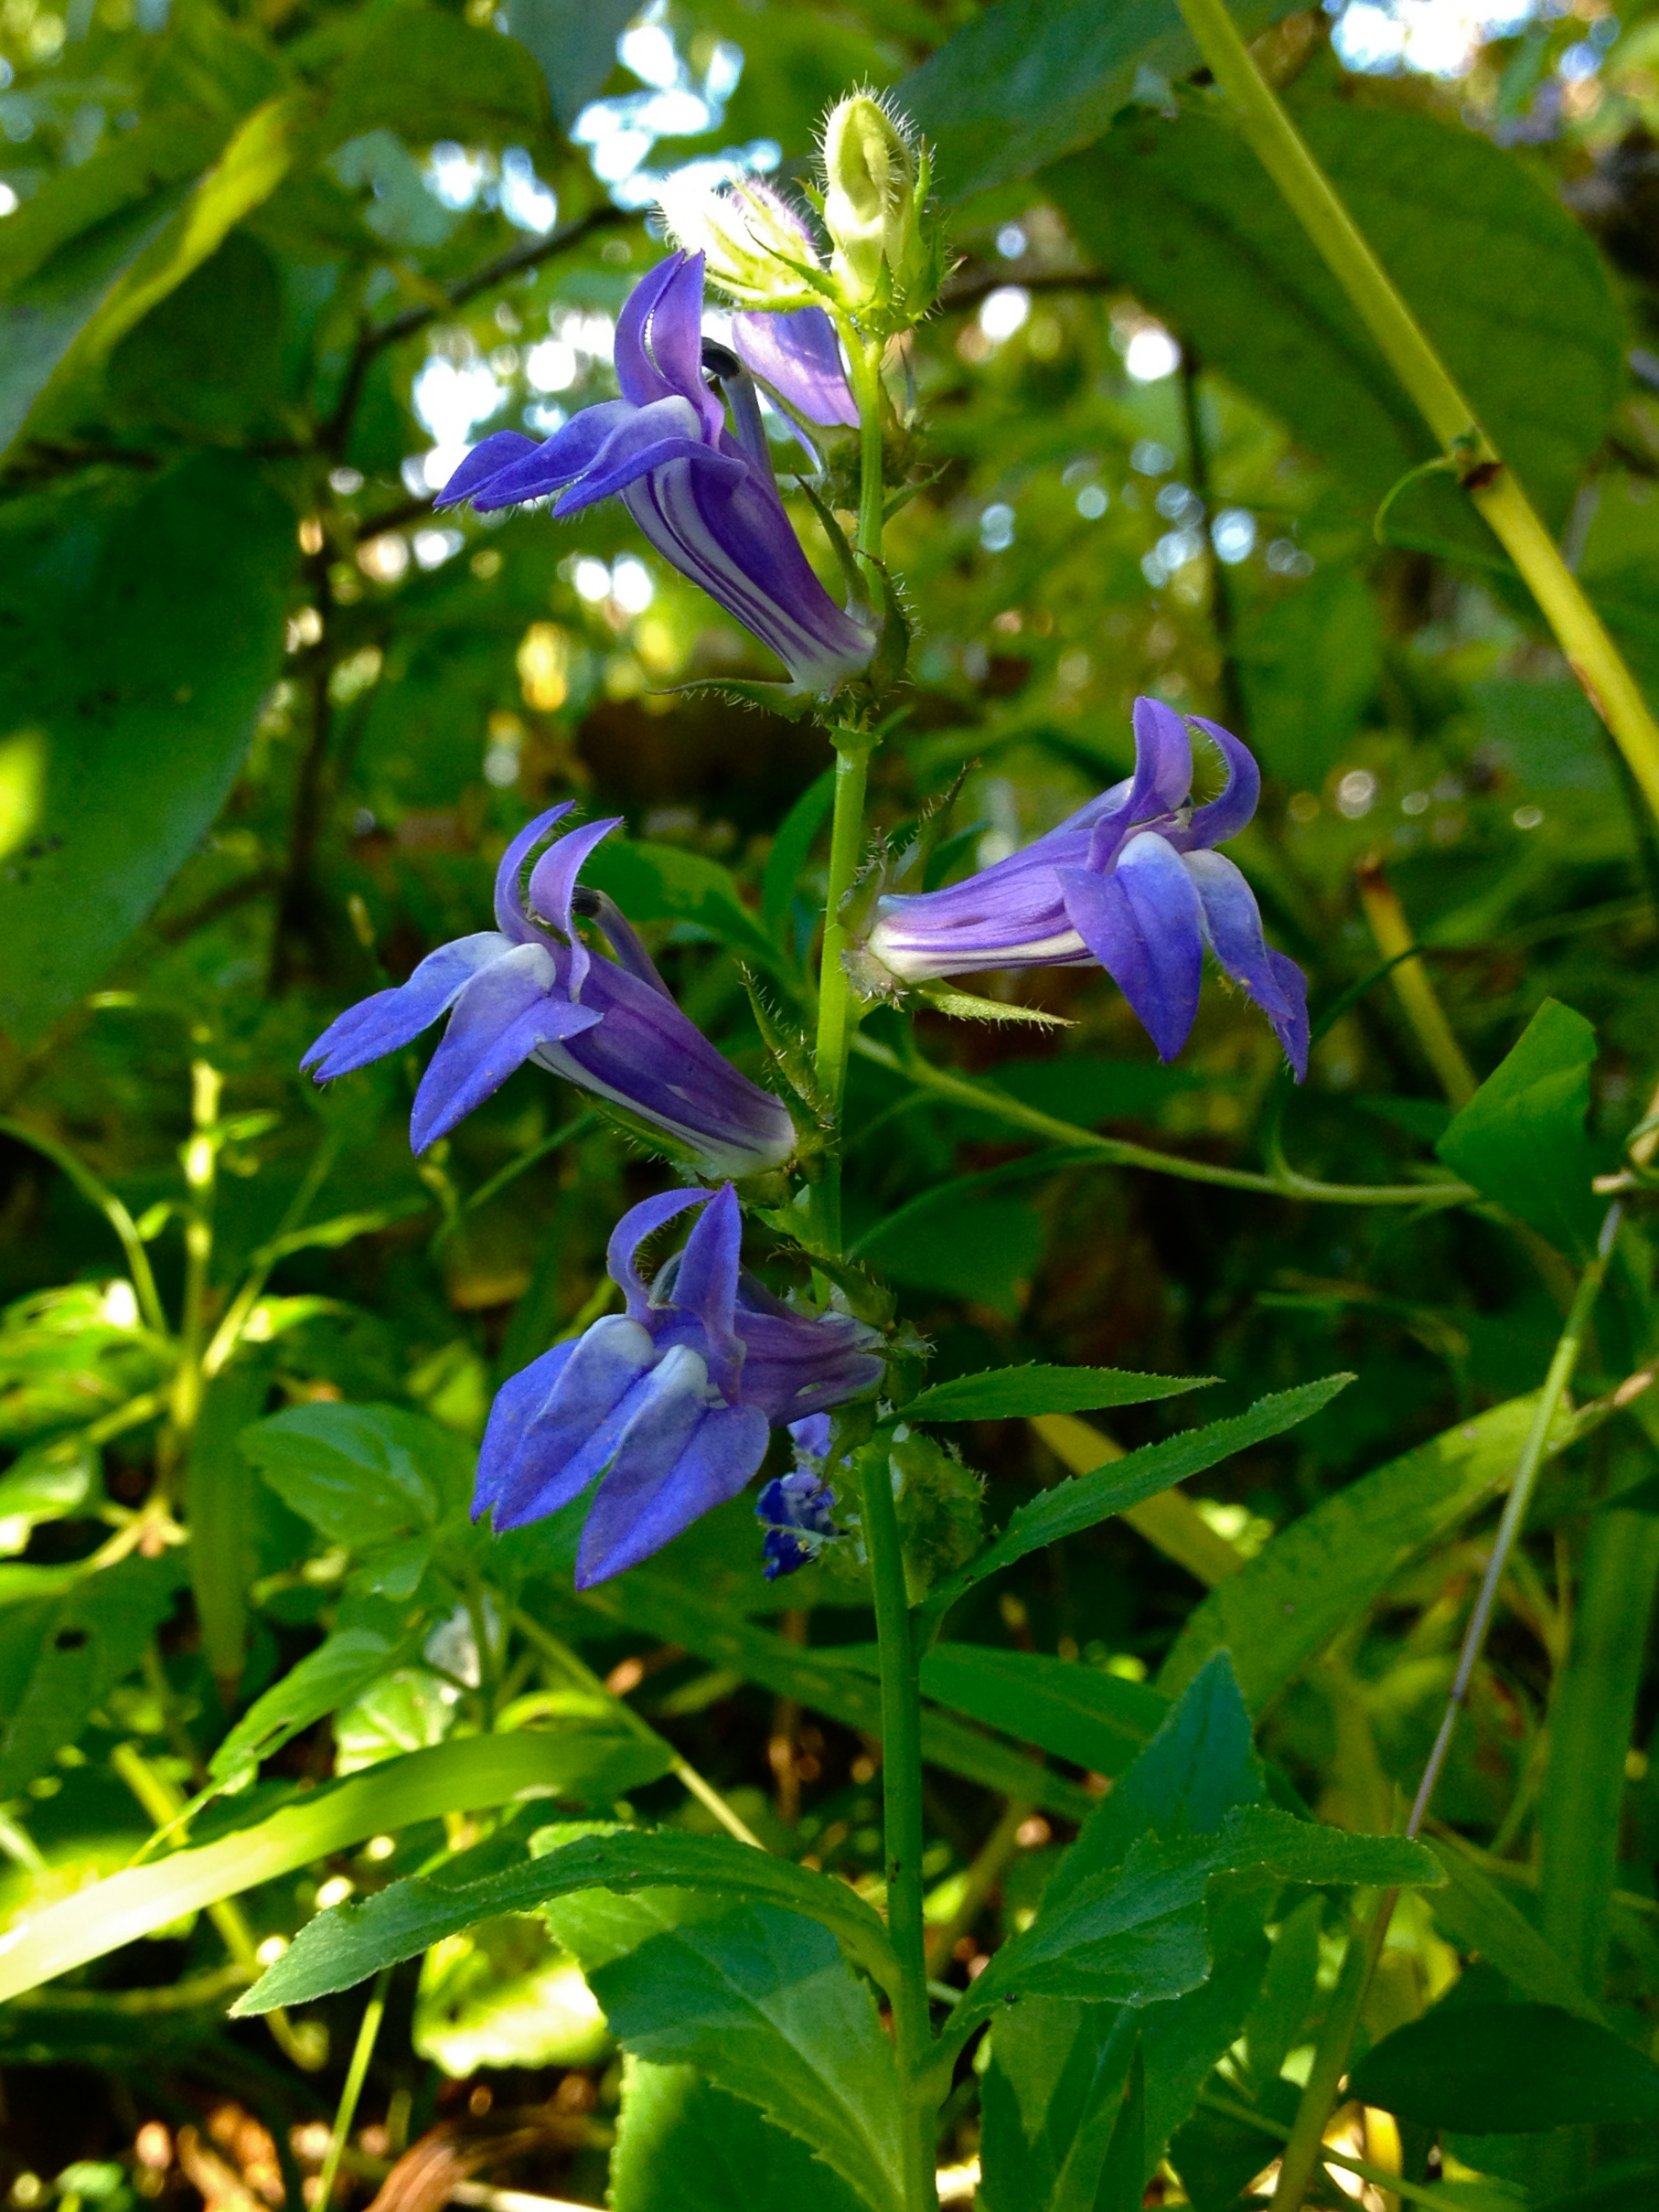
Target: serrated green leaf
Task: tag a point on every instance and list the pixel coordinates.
(764, 2005)
(1003, 1394)
(1079, 1503)
(343, 1665)
(663, 884)
(347, 1945)
(682, 2145)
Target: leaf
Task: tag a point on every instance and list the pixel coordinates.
(1169, 1521)
(1480, 1918)
(347, 1945)
(506, 1994)
(426, 74)
(1521, 1138)
(1072, 1506)
(1134, 1932)
(764, 2005)
(1312, 1577)
(787, 862)
(685, 2146)
(662, 883)
(1078, 1713)
(1311, 663)
(1014, 1392)
(342, 1665)
(1027, 81)
(1508, 2069)
(1507, 286)
(60, 1656)
(360, 1474)
(469, 1773)
(47, 1483)
(1052, 2095)
(92, 313)
(662, 1607)
(136, 645)
(219, 1505)
(984, 1249)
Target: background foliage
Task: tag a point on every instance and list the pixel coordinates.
(265, 725)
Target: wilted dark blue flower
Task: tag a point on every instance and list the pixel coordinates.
(704, 495)
(1130, 882)
(798, 1510)
(670, 1402)
(530, 990)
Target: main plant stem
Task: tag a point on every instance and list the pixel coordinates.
(1284, 153)
(902, 1812)
(901, 1692)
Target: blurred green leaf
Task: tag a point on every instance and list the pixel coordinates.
(685, 2146)
(49, 1482)
(1482, 1920)
(361, 1474)
(505, 1995)
(426, 74)
(1521, 1138)
(1508, 288)
(1311, 662)
(342, 1667)
(1313, 1575)
(1027, 81)
(1508, 2069)
(663, 884)
(574, 44)
(60, 1656)
(1078, 1713)
(140, 640)
(470, 1773)
(984, 1248)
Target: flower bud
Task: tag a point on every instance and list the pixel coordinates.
(872, 211)
(753, 245)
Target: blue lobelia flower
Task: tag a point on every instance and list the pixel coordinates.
(1130, 881)
(530, 990)
(798, 1510)
(671, 1403)
(704, 495)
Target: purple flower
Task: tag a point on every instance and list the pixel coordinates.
(798, 1510)
(704, 495)
(530, 990)
(670, 1402)
(1130, 881)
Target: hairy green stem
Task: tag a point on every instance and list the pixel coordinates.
(901, 1811)
(1305, 2148)
(1490, 482)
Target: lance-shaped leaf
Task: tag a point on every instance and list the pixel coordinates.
(352, 1941)
(1072, 1506)
(1020, 1392)
(1521, 1138)
(472, 1772)
(682, 2145)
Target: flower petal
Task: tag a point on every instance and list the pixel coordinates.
(1163, 760)
(504, 1013)
(491, 457)
(705, 1285)
(674, 335)
(649, 441)
(392, 1019)
(529, 470)
(678, 1460)
(517, 1402)
(799, 356)
(638, 375)
(549, 1448)
(638, 1222)
(1232, 923)
(1226, 814)
(510, 901)
(552, 884)
(1144, 926)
